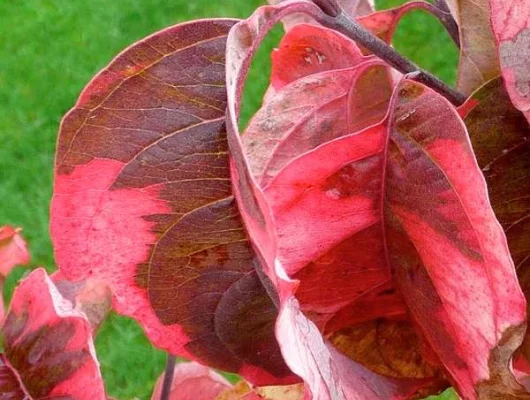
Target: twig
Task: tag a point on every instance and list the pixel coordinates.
(347, 26)
(168, 377)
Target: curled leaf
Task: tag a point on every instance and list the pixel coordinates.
(47, 346)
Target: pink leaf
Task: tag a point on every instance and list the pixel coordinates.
(401, 185)
(48, 345)
(91, 297)
(511, 25)
(192, 381)
(327, 373)
(143, 202)
(13, 249)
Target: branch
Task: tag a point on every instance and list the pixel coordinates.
(168, 377)
(342, 23)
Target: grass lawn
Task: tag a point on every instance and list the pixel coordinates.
(49, 50)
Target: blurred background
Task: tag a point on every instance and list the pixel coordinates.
(49, 50)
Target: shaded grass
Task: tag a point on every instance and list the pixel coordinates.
(48, 51)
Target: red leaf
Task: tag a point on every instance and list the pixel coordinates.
(511, 26)
(309, 49)
(329, 108)
(143, 201)
(327, 373)
(13, 249)
(403, 178)
(48, 346)
(433, 224)
(500, 136)
(192, 381)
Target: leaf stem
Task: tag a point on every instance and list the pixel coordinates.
(342, 23)
(168, 377)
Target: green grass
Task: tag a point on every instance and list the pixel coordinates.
(49, 50)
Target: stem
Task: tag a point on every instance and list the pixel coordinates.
(168, 377)
(345, 25)
(441, 10)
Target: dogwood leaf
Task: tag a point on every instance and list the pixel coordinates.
(143, 202)
(48, 348)
(501, 139)
(328, 374)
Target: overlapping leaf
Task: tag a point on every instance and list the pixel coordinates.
(415, 199)
(328, 374)
(48, 349)
(478, 56)
(511, 25)
(143, 201)
(501, 139)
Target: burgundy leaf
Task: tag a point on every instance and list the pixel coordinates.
(501, 139)
(511, 25)
(143, 201)
(48, 346)
(192, 381)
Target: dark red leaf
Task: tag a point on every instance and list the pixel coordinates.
(501, 139)
(143, 201)
(48, 346)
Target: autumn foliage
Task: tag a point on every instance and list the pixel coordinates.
(365, 237)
